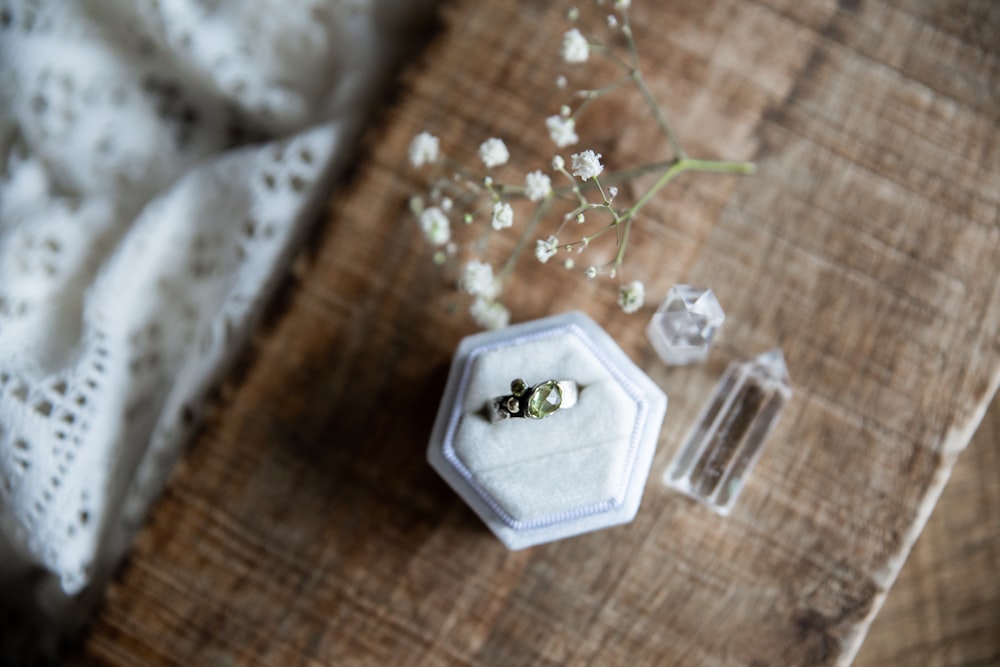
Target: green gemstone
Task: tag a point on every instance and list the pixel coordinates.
(518, 387)
(545, 399)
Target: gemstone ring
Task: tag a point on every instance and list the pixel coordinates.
(536, 402)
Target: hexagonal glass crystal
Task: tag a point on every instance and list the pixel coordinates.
(684, 325)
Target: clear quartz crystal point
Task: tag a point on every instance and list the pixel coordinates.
(726, 441)
(684, 325)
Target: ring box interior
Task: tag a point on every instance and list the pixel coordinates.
(537, 480)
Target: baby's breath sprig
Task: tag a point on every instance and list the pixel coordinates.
(589, 196)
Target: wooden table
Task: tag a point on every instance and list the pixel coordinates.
(304, 526)
(944, 608)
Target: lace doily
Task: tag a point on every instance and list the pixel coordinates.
(136, 244)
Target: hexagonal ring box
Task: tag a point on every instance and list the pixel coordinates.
(580, 469)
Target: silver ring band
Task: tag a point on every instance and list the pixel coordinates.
(536, 402)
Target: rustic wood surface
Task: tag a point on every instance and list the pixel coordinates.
(945, 607)
(304, 526)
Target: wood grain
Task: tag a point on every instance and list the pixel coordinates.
(304, 526)
(944, 610)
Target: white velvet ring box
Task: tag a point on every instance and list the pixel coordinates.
(538, 480)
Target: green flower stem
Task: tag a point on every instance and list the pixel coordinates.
(661, 120)
(633, 52)
(506, 190)
(720, 167)
(611, 178)
(620, 255)
(610, 225)
(640, 82)
(673, 169)
(677, 168)
(526, 236)
(468, 178)
(607, 202)
(589, 96)
(574, 187)
(511, 191)
(624, 175)
(688, 164)
(609, 53)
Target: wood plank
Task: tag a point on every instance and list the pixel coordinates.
(944, 610)
(304, 526)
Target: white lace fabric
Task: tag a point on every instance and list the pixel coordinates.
(138, 239)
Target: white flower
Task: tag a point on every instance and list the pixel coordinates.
(558, 163)
(493, 152)
(489, 314)
(503, 215)
(562, 130)
(561, 81)
(587, 165)
(591, 272)
(545, 249)
(446, 204)
(569, 263)
(612, 21)
(632, 296)
(575, 48)
(424, 149)
(537, 185)
(416, 205)
(434, 224)
(623, 4)
(477, 279)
